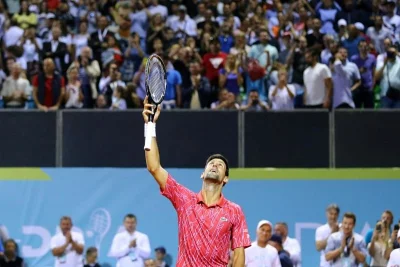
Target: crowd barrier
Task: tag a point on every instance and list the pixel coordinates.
(291, 139)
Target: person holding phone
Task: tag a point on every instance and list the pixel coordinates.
(346, 248)
(380, 246)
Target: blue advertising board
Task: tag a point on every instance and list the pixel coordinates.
(33, 200)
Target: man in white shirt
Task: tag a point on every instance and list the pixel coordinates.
(317, 82)
(290, 245)
(394, 260)
(324, 231)
(67, 246)
(261, 253)
(130, 247)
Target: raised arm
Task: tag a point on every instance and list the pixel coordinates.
(153, 156)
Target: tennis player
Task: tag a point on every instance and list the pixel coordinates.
(209, 225)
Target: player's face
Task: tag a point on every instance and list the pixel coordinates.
(130, 224)
(215, 170)
(264, 233)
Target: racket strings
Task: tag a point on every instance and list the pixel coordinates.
(156, 81)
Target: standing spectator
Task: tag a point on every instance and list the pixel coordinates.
(290, 245)
(10, 257)
(108, 84)
(366, 63)
(391, 20)
(389, 74)
(346, 78)
(198, 94)
(89, 71)
(160, 257)
(48, 87)
(351, 43)
(317, 82)
(213, 61)
(282, 95)
(230, 77)
(324, 231)
(276, 242)
(378, 34)
(16, 89)
(25, 17)
(56, 50)
(380, 248)
(226, 38)
(98, 39)
(91, 257)
(183, 26)
(346, 248)
(173, 93)
(130, 247)
(261, 253)
(67, 246)
(73, 94)
(387, 218)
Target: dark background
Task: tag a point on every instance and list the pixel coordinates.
(299, 139)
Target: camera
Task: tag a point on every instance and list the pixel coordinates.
(378, 227)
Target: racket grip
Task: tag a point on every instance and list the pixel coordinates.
(150, 132)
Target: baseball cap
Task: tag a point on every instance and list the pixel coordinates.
(342, 22)
(359, 26)
(161, 249)
(182, 8)
(263, 222)
(276, 238)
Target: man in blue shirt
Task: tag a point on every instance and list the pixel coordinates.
(276, 242)
(173, 93)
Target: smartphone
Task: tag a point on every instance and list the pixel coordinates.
(396, 227)
(378, 228)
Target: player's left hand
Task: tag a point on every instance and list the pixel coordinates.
(147, 110)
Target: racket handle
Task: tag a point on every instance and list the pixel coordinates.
(150, 133)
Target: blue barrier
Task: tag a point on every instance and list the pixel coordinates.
(33, 200)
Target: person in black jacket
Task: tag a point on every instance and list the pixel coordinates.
(10, 257)
(91, 258)
(276, 242)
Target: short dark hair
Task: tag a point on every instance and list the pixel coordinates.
(313, 52)
(221, 157)
(350, 215)
(130, 216)
(66, 218)
(91, 250)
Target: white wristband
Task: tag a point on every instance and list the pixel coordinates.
(151, 128)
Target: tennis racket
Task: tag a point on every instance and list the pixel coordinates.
(156, 84)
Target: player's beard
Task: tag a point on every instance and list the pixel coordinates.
(212, 176)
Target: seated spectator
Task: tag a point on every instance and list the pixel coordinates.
(48, 87)
(281, 96)
(91, 258)
(118, 102)
(254, 103)
(160, 257)
(16, 89)
(276, 242)
(226, 101)
(10, 257)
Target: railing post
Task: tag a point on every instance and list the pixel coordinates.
(59, 138)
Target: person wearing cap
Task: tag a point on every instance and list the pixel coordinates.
(391, 20)
(394, 259)
(160, 256)
(351, 43)
(290, 245)
(261, 253)
(346, 248)
(276, 242)
(324, 231)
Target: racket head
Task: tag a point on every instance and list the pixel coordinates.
(155, 79)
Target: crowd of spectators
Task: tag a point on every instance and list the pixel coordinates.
(241, 54)
(336, 241)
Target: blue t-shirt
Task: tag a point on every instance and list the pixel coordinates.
(174, 78)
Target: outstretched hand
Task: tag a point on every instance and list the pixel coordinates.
(147, 110)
